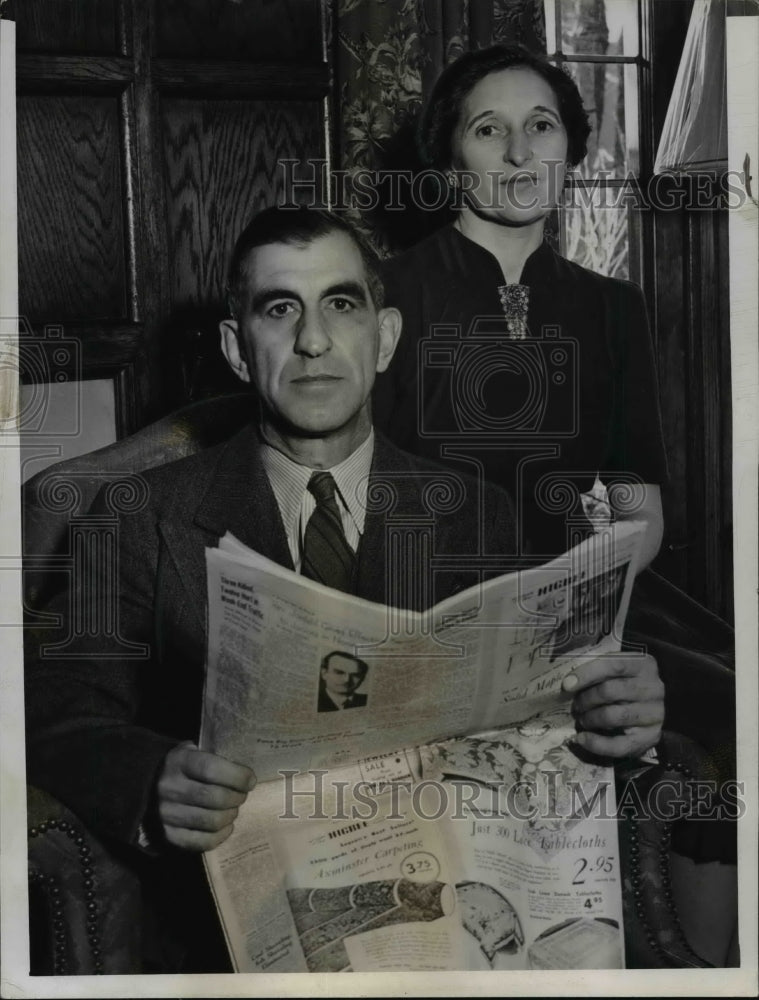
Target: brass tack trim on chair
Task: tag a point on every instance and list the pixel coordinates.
(664, 869)
(60, 961)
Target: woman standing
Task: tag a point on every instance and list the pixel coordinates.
(538, 370)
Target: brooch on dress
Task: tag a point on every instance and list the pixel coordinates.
(514, 300)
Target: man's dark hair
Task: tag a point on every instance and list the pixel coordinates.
(347, 656)
(459, 79)
(296, 226)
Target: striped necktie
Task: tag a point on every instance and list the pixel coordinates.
(327, 557)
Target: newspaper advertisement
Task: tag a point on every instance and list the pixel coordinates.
(487, 843)
(490, 852)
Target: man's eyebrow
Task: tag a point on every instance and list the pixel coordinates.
(264, 296)
(352, 288)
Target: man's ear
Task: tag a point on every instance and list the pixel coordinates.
(390, 324)
(230, 346)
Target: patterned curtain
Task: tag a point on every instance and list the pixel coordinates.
(388, 54)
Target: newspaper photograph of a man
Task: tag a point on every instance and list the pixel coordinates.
(340, 676)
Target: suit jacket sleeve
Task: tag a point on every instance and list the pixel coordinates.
(86, 741)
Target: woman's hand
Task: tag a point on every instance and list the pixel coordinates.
(618, 703)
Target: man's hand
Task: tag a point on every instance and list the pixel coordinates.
(618, 703)
(199, 795)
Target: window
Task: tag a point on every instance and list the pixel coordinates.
(599, 43)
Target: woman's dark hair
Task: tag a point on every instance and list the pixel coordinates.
(459, 79)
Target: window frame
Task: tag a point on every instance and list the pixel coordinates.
(640, 247)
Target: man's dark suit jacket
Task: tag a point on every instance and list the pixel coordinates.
(100, 727)
(325, 703)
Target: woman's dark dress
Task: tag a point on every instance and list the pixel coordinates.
(542, 417)
(579, 397)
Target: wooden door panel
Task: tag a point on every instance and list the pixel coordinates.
(693, 356)
(222, 165)
(70, 204)
(55, 26)
(149, 131)
(287, 31)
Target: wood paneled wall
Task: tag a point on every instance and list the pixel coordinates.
(149, 132)
(687, 285)
(221, 168)
(72, 249)
(693, 347)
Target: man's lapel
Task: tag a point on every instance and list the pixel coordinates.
(387, 463)
(236, 497)
(399, 482)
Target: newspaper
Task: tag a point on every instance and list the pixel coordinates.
(486, 842)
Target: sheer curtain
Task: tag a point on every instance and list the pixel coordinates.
(694, 137)
(388, 54)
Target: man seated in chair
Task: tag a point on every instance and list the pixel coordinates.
(112, 731)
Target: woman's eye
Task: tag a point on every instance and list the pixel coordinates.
(487, 131)
(543, 125)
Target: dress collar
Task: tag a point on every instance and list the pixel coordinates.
(540, 268)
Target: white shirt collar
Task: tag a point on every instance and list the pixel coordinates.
(289, 481)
